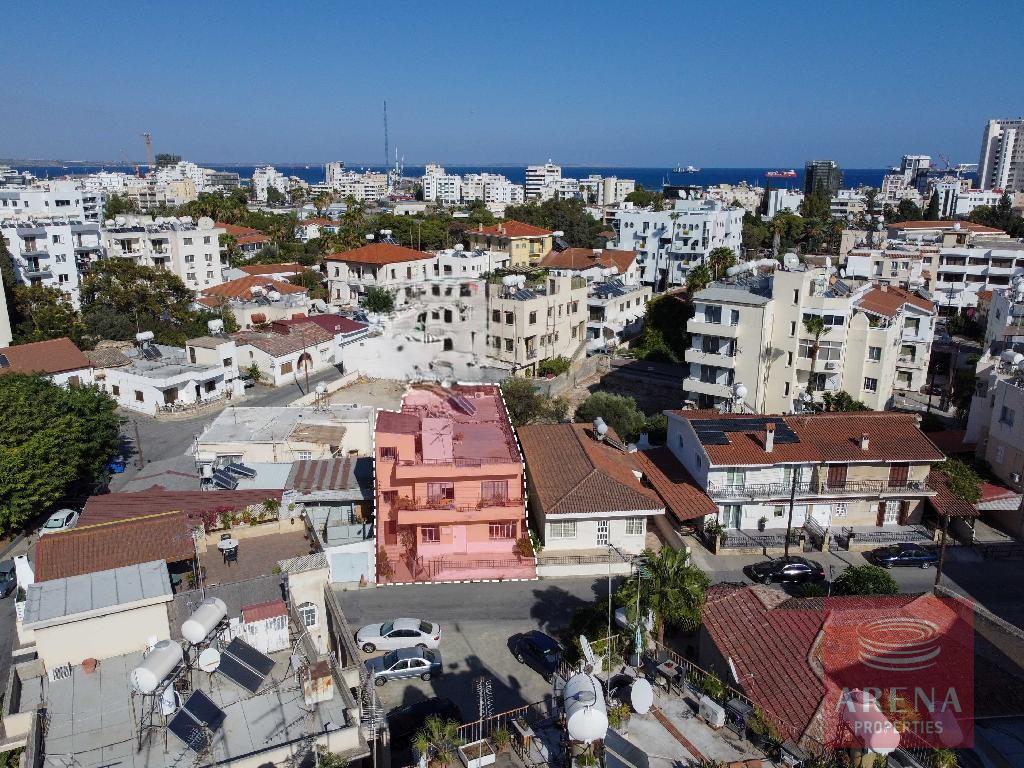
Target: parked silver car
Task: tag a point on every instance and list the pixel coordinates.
(400, 633)
(404, 663)
(62, 520)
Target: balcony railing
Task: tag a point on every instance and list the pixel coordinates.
(817, 488)
(476, 461)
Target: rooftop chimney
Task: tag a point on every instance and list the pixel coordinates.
(769, 437)
(864, 441)
(884, 287)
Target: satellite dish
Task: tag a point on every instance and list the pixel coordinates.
(170, 701)
(209, 660)
(641, 696)
(588, 652)
(740, 391)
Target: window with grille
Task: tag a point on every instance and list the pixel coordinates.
(502, 530)
(388, 453)
(307, 612)
(636, 526)
(430, 534)
(563, 529)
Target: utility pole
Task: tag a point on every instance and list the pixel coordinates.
(792, 502)
(140, 461)
(942, 550)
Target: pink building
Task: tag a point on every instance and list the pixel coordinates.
(449, 487)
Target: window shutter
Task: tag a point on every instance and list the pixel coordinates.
(881, 513)
(904, 513)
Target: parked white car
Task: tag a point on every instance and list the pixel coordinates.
(399, 633)
(62, 520)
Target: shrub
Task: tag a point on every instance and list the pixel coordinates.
(553, 366)
(618, 411)
(379, 300)
(865, 580)
(523, 547)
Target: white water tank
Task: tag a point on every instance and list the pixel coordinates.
(1007, 355)
(157, 665)
(586, 714)
(144, 336)
(204, 619)
(215, 326)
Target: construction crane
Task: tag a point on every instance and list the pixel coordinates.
(150, 161)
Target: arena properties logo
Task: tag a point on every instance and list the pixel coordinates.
(898, 671)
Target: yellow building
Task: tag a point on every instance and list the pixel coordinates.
(524, 243)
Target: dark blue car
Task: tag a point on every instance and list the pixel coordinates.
(903, 555)
(536, 650)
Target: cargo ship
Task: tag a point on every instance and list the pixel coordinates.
(790, 174)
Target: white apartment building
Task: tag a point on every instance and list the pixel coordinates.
(533, 321)
(784, 200)
(615, 312)
(493, 189)
(540, 176)
(750, 346)
(6, 337)
(669, 243)
(402, 271)
(183, 170)
(459, 262)
(969, 199)
(984, 265)
(51, 250)
(745, 195)
(51, 198)
(441, 187)
(1001, 162)
(333, 173)
(264, 178)
(896, 263)
(361, 186)
(191, 250)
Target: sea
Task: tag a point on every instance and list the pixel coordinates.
(650, 178)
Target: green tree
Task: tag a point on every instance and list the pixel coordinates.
(841, 401)
(670, 586)
(53, 440)
(905, 210)
(697, 278)
(815, 327)
(581, 230)
(276, 197)
(931, 211)
(437, 740)
(755, 233)
(646, 198)
(618, 411)
(553, 366)
(312, 281)
(527, 406)
(961, 480)
(43, 312)
(656, 428)
(664, 336)
(379, 300)
(817, 205)
(117, 205)
(865, 580)
(719, 260)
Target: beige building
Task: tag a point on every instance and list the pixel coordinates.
(401, 271)
(191, 250)
(750, 343)
(531, 322)
(524, 243)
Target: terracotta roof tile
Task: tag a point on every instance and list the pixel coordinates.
(824, 437)
(680, 492)
(272, 269)
(53, 356)
(108, 357)
(299, 336)
(890, 300)
(968, 226)
(244, 235)
(379, 253)
(572, 473)
(331, 323)
(262, 611)
(397, 423)
(585, 258)
(110, 507)
(511, 228)
(241, 289)
(100, 547)
(947, 503)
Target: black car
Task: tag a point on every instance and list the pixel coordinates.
(904, 554)
(787, 570)
(8, 578)
(537, 650)
(404, 722)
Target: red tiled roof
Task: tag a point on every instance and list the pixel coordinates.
(992, 492)
(947, 503)
(680, 492)
(585, 258)
(379, 253)
(110, 507)
(824, 437)
(571, 472)
(951, 441)
(397, 423)
(320, 222)
(299, 336)
(968, 226)
(511, 228)
(100, 547)
(242, 288)
(53, 356)
(985, 295)
(263, 611)
(889, 300)
(272, 269)
(244, 235)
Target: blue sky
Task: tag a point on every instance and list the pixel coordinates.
(618, 83)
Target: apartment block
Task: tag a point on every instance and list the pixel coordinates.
(533, 321)
(51, 250)
(191, 250)
(525, 244)
(1001, 161)
(751, 348)
(861, 473)
(402, 271)
(449, 487)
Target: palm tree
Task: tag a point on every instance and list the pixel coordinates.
(670, 586)
(437, 739)
(815, 326)
(944, 758)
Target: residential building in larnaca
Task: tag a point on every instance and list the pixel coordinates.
(54, 251)
(534, 319)
(751, 347)
(669, 243)
(394, 268)
(863, 473)
(191, 250)
(586, 499)
(1001, 162)
(449, 485)
(524, 243)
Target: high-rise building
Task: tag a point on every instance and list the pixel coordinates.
(822, 176)
(1001, 163)
(539, 176)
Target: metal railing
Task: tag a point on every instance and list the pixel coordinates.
(611, 556)
(457, 462)
(815, 487)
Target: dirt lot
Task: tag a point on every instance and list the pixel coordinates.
(654, 386)
(380, 393)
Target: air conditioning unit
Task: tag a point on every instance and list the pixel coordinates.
(711, 712)
(831, 366)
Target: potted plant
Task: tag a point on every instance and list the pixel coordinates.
(618, 717)
(585, 759)
(501, 739)
(523, 548)
(478, 754)
(712, 687)
(756, 728)
(385, 568)
(762, 523)
(437, 741)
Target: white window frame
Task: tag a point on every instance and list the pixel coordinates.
(309, 615)
(636, 526)
(603, 533)
(562, 529)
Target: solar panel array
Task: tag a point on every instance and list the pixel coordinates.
(716, 431)
(239, 470)
(151, 353)
(244, 665)
(607, 290)
(197, 716)
(224, 481)
(461, 403)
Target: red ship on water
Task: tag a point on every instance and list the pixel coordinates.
(790, 174)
